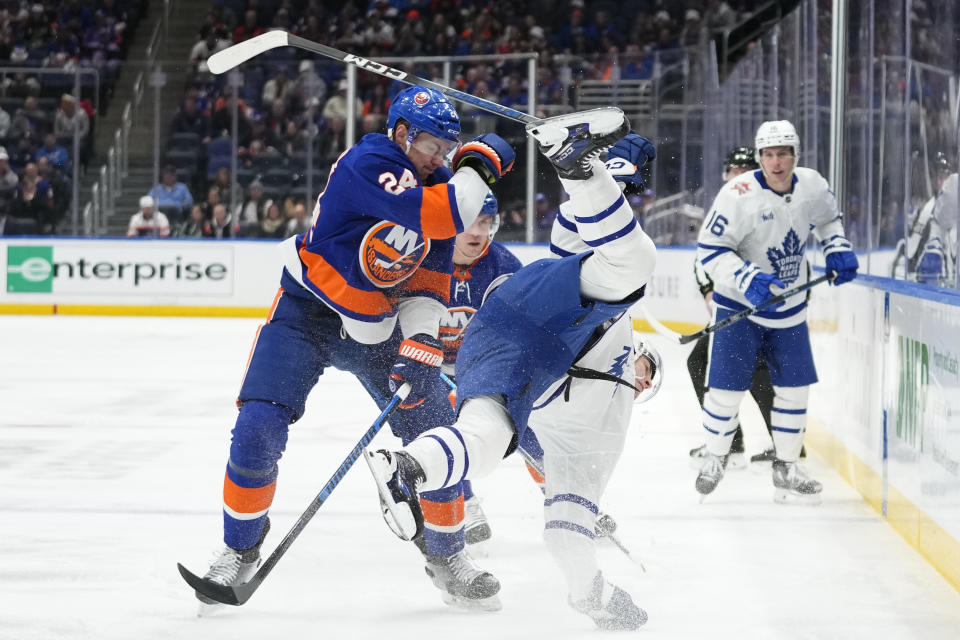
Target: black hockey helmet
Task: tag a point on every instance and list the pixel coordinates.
(942, 165)
(740, 157)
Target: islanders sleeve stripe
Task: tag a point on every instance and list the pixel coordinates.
(603, 214)
(566, 224)
(630, 226)
(557, 251)
(335, 288)
(429, 281)
(437, 212)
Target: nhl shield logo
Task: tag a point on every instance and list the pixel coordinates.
(787, 258)
(422, 98)
(390, 253)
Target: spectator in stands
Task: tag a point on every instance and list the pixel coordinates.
(249, 28)
(544, 215)
(278, 118)
(279, 86)
(378, 32)
(190, 119)
(224, 185)
(8, 178)
(5, 123)
(23, 153)
(147, 221)
(33, 203)
(335, 109)
(193, 226)
(298, 222)
(273, 225)
(214, 197)
(70, 119)
(253, 208)
(221, 123)
(57, 154)
(50, 178)
(221, 225)
(172, 195)
(29, 120)
(515, 96)
(310, 87)
(215, 41)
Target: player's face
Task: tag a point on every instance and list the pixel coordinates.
(428, 153)
(642, 380)
(778, 164)
(474, 239)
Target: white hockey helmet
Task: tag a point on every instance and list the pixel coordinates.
(645, 349)
(776, 133)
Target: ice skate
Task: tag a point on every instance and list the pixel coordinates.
(572, 140)
(764, 457)
(792, 484)
(737, 458)
(605, 526)
(230, 568)
(462, 583)
(711, 472)
(397, 475)
(610, 607)
(476, 529)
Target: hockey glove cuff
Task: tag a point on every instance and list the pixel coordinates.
(418, 363)
(759, 289)
(844, 264)
(489, 155)
(627, 157)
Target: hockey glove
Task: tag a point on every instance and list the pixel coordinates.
(844, 264)
(627, 157)
(489, 155)
(928, 271)
(759, 289)
(418, 363)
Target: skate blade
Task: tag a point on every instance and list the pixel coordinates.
(205, 610)
(554, 131)
(783, 496)
(472, 604)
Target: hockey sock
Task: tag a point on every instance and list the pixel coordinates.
(569, 533)
(474, 444)
(721, 419)
(443, 521)
(259, 438)
(788, 420)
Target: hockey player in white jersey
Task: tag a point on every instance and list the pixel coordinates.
(531, 343)
(753, 239)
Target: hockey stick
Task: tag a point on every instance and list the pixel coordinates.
(238, 594)
(233, 56)
(740, 315)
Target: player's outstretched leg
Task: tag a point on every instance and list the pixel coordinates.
(610, 607)
(792, 484)
(461, 582)
(398, 477)
(230, 568)
(572, 140)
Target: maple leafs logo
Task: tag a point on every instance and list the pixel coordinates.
(786, 262)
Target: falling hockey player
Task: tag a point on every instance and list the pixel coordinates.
(519, 350)
(753, 239)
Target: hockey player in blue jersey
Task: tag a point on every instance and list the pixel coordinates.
(753, 239)
(364, 290)
(518, 351)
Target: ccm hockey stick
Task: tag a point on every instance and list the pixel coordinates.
(233, 56)
(740, 315)
(238, 594)
(605, 524)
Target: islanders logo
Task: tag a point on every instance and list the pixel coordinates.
(452, 327)
(786, 260)
(422, 98)
(390, 253)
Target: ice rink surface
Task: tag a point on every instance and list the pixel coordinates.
(114, 434)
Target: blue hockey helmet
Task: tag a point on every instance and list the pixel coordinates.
(425, 111)
(491, 208)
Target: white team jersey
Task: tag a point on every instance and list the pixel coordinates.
(945, 221)
(752, 228)
(598, 411)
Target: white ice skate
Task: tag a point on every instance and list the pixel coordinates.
(572, 140)
(230, 568)
(610, 607)
(462, 583)
(711, 472)
(476, 529)
(793, 485)
(397, 476)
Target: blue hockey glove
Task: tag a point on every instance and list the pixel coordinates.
(489, 155)
(844, 264)
(930, 267)
(625, 159)
(759, 289)
(418, 363)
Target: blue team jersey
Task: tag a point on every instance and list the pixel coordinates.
(378, 234)
(527, 334)
(468, 288)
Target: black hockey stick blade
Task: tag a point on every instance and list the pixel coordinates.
(740, 315)
(238, 594)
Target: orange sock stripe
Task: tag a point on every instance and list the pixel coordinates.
(444, 514)
(536, 475)
(243, 500)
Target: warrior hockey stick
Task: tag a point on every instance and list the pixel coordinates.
(233, 56)
(238, 594)
(740, 315)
